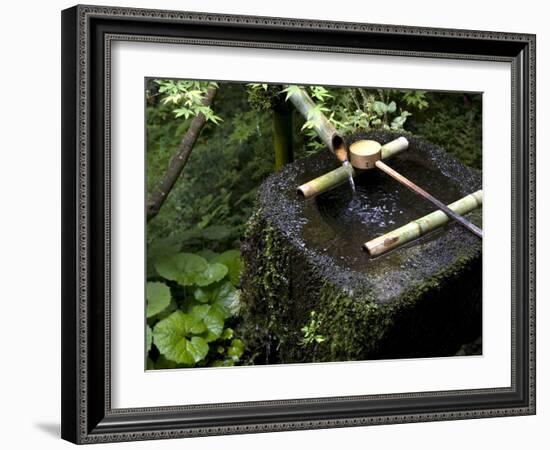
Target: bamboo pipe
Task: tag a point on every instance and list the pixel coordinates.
(326, 131)
(326, 181)
(427, 196)
(363, 155)
(421, 226)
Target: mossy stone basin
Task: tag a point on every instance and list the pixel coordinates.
(313, 294)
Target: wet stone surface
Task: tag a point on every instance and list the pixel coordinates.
(379, 204)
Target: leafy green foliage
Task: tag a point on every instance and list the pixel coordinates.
(231, 259)
(177, 338)
(453, 121)
(214, 196)
(310, 331)
(197, 332)
(187, 97)
(352, 110)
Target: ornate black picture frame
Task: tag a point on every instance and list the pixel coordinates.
(87, 34)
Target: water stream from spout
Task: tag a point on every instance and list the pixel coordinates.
(349, 170)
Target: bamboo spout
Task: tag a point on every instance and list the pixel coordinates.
(326, 131)
(363, 155)
(421, 226)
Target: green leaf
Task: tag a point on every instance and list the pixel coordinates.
(227, 333)
(197, 315)
(223, 298)
(214, 272)
(291, 90)
(319, 93)
(236, 349)
(198, 348)
(207, 319)
(148, 338)
(231, 259)
(183, 268)
(183, 112)
(172, 336)
(214, 322)
(158, 298)
(380, 108)
(392, 107)
(208, 254)
(202, 295)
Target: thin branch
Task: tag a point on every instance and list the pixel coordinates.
(179, 160)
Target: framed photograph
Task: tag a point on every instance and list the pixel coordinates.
(281, 224)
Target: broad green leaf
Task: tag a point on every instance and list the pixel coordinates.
(198, 348)
(380, 108)
(158, 298)
(236, 349)
(225, 299)
(214, 272)
(203, 295)
(207, 319)
(196, 316)
(392, 107)
(198, 312)
(183, 268)
(214, 322)
(231, 259)
(172, 336)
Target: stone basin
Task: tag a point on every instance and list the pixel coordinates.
(304, 265)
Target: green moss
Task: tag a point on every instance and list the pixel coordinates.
(265, 288)
(281, 288)
(351, 327)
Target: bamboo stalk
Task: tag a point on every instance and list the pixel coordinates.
(394, 147)
(325, 182)
(421, 226)
(427, 196)
(326, 131)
